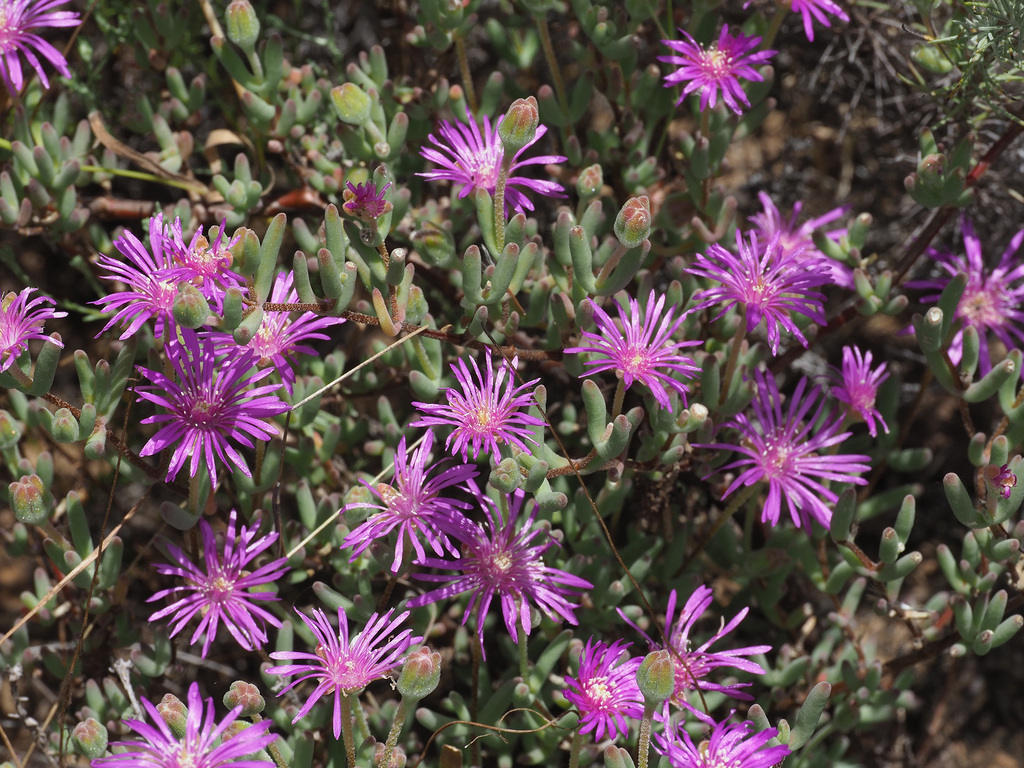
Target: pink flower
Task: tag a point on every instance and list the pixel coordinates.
(413, 505)
(342, 665)
(643, 349)
(500, 561)
(772, 284)
(728, 745)
(816, 9)
(780, 449)
(18, 19)
(715, 69)
(199, 748)
(365, 202)
(693, 665)
(605, 691)
(206, 266)
(468, 157)
(211, 406)
(219, 591)
(859, 385)
(486, 412)
(21, 320)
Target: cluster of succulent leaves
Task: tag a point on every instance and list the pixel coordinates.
(274, 167)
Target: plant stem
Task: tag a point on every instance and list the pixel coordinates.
(734, 356)
(574, 749)
(612, 263)
(620, 395)
(552, 60)
(346, 731)
(524, 656)
(499, 203)
(467, 75)
(396, 728)
(644, 743)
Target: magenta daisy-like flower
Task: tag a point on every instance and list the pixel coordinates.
(798, 240)
(468, 157)
(728, 745)
(206, 266)
(18, 20)
(500, 559)
(21, 320)
(858, 387)
(643, 349)
(605, 691)
(992, 299)
(779, 448)
(693, 665)
(219, 591)
(281, 335)
(487, 412)
(413, 505)
(341, 664)
(152, 289)
(771, 283)
(365, 202)
(715, 69)
(199, 748)
(211, 405)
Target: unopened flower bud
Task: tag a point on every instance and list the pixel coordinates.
(244, 695)
(420, 674)
(397, 760)
(90, 738)
(243, 26)
(10, 431)
(519, 126)
(633, 224)
(590, 181)
(174, 713)
(64, 426)
(351, 103)
(31, 501)
(656, 677)
(190, 308)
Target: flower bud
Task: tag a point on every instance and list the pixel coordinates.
(237, 728)
(190, 308)
(656, 677)
(90, 738)
(519, 125)
(244, 695)
(31, 501)
(633, 224)
(351, 103)
(397, 760)
(64, 426)
(243, 26)
(10, 431)
(420, 674)
(590, 181)
(174, 713)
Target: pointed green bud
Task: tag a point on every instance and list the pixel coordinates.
(244, 695)
(656, 677)
(519, 126)
(90, 738)
(420, 674)
(64, 426)
(174, 713)
(590, 181)
(10, 431)
(243, 26)
(351, 103)
(31, 501)
(190, 309)
(633, 224)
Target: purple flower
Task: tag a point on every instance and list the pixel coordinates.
(365, 202)
(219, 592)
(206, 266)
(859, 385)
(693, 665)
(992, 298)
(605, 690)
(799, 240)
(152, 289)
(341, 664)
(18, 19)
(499, 560)
(771, 284)
(22, 319)
(715, 69)
(279, 337)
(643, 349)
(199, 747)
(816, 9)
(414, 505)
(1004, 480)
(486, 411)
(729, 745)
(778, 448)
(467, 157)
(211, 405)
